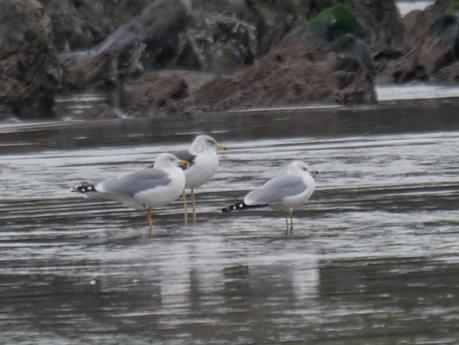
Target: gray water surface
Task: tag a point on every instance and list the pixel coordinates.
(373, 259)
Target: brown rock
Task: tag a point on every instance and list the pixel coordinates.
(29, 72)
(413, 30)
(80, 24)
(220, 42)
(119, 54)
(155, 92)
(296, 72)
(81, 72)
(418, 23)
(426, 49)
(449, 73)
(380, 22)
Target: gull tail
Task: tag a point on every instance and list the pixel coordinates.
(84, 188)
(239, 206)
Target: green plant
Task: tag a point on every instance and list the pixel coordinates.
(335, 21)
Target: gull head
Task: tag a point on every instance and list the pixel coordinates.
(168, 160)
(300, 167)
(203, 143)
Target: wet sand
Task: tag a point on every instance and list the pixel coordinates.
(373, 258)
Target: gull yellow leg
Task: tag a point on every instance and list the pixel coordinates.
(193, 203)
(286, 222)
(185, 208)
(150, 222)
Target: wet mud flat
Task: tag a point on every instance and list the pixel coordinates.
(373, 259)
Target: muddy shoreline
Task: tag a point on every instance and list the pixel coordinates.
(408, 116)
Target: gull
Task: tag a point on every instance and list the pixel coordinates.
(155, 186)
(285, 192)
(203, 158)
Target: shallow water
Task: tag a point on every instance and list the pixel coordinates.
(416, 91)
(373, 259)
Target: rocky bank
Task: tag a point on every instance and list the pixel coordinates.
(29, 69)
(430, 49)
(176, 56)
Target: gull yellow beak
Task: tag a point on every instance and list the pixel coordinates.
(183, 164)
(222, 147)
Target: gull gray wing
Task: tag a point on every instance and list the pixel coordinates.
(136, 182)
(275, 190)
(186, 155)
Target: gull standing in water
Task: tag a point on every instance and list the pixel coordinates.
(285, 192)
(155, 186)
(203, 158)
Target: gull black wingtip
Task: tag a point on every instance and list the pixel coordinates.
(239, 206)
(84, 188)
(231, 208)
